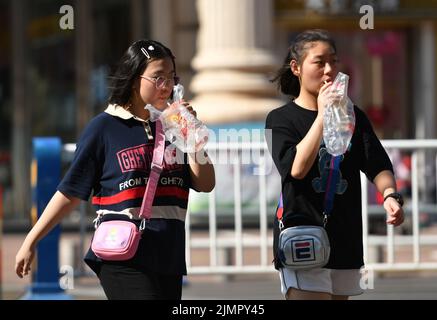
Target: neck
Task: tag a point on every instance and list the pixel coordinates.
(306, 101)
(139, 111)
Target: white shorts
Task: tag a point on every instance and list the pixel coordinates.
(333, 281)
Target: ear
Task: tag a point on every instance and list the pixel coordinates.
(136, 85)
(295, 68)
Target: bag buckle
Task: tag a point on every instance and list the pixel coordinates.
(156, 168)
(325, 219)
(97, 221)
(143, 224)
(281, 224)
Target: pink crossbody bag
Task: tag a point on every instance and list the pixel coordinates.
(118, 240)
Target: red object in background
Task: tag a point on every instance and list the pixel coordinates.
(385, 44)
(400, 185)
(379, 198)
(377, 115)
(4, 157)
(403, 182)
(406, 160)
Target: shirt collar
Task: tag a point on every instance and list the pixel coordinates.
(118, 111)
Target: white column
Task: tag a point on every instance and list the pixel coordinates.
(233, 61)
(424, 82)
(429, 77)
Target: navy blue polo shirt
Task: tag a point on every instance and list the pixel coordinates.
(112, 165)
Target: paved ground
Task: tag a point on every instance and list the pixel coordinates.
(266, 288)
(399, 286)
(252, 288)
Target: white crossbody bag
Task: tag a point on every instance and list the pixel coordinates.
(306, 246)
(303, 247)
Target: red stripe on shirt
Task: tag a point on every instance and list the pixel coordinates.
(135, 193)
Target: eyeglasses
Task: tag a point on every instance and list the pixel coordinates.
(161, 82)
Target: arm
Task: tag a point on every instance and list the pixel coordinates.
(201, 171)
(386, 184)
(308, 148)
(58, 207)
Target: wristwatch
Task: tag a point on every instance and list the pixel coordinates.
(397, 196)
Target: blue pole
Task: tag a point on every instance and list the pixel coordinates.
(46, 171)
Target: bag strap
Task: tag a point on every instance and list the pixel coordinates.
(280, 211)
(331, 185)
(155, 172)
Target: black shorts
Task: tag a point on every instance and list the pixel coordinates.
(126, 282)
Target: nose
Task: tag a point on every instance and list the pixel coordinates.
(164, 85)
(329, 69)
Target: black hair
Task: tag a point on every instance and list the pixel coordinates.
(131, 65)
(287, 82)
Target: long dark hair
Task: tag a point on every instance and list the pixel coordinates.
(132, 64)
(287, 82)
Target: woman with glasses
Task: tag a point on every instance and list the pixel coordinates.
(112, 164)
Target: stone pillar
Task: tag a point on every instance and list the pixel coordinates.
(161, 22)
(178, 33)
(233, 61)
(137, 10)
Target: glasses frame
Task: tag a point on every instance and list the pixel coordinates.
(165, 82)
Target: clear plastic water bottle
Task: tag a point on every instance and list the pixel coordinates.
(339, 117)
(182, 128)
(154, 114)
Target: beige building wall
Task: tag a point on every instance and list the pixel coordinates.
(223, 55)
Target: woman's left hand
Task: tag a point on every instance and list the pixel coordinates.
(395, 213)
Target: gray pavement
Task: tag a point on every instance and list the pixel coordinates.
(398, 288)
(259, 287)
(395, 286)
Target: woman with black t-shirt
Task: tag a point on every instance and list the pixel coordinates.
(113, 162)
(294, 135)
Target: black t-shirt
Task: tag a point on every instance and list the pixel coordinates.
(303, 199)
(112, 164)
